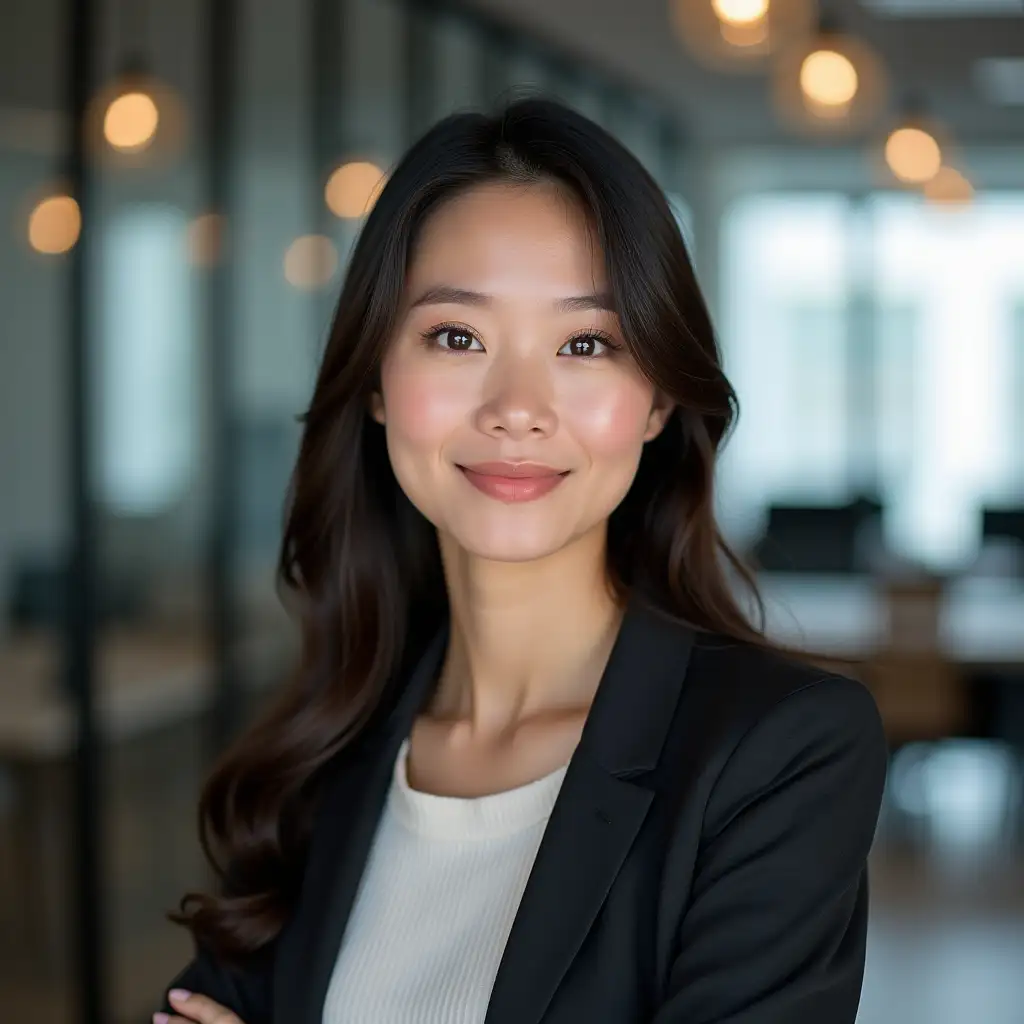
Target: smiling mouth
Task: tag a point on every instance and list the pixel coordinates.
(513, 482)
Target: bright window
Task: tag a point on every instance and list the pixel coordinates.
(941, 351)
(147, 423)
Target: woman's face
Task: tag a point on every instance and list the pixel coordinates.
(515, 417)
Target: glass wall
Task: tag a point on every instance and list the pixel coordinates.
(214, 250)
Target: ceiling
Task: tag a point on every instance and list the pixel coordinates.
(931, 56)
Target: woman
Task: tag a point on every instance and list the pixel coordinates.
(536, 765)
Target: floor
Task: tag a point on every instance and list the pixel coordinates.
(946, 939)
(945, 950)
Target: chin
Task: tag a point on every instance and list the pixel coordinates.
(509, 544)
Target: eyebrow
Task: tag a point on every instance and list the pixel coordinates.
(445, 294)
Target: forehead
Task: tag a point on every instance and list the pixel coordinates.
(497, 237)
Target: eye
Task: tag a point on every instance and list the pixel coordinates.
(587, 345)
(452, 338)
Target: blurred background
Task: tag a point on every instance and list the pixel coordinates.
(180, 185)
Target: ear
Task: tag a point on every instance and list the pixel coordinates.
(376, 406)
(661, 409)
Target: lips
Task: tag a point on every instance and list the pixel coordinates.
(513, 481)
(513, 470)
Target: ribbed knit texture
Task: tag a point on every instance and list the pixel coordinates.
(436, 903)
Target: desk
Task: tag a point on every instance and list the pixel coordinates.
(981, 621)
(145, 679)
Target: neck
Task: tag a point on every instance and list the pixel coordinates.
(526, 638)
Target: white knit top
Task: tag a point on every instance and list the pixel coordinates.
(436, 903)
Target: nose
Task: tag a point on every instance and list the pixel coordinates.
(518, 403)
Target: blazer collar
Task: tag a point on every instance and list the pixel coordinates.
(602, 803)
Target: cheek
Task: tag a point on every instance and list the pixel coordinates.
(422, 408)
(610, 421)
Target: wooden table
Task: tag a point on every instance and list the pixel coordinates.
(981, 620)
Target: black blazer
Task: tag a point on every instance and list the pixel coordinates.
(705, 860)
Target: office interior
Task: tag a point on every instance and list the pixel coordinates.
(180, 186)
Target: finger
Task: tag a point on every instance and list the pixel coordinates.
(164, 1018)
(202, 1009)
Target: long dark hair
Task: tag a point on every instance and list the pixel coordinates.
(361, 565)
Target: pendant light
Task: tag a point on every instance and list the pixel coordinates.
(740, 35)
(830, 83)
(53, 221)
(914, 148)
(136, 119)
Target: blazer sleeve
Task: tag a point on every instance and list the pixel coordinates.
(244, 991)
(775, 930)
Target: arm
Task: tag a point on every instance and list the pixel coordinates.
(246, 993)
(776, 927)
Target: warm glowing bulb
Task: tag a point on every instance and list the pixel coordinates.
(740, 12)
(742, 24)
(828, 79)
(949, 186)
(310, 262)
(913, 155)
(131, 122)
(353, 188)
(54, 225)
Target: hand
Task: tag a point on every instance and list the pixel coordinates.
(197, 1008)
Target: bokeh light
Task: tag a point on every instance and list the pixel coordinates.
(353, 188)
(949, 187)
(828, 80)
(310, 262)
(740, 12)
(54, 225)
(131, 122)
(743, 22)
(136, 120)
(831, 83)
(740, 35)
(913, 155)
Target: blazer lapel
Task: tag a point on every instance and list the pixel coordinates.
(600, 808)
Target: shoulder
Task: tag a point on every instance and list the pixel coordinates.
(769, 717)
(742, 684)
(775, 775)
